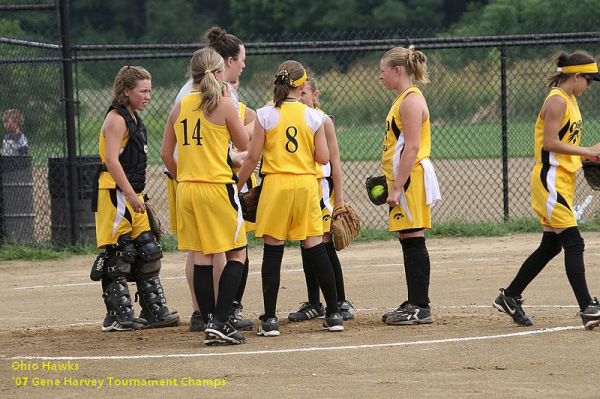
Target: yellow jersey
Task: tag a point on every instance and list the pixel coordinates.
(202, 146)
(393, 143)
(569, 133)
(289, 138)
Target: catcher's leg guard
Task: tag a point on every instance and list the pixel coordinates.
(151, 295)
(116, 295)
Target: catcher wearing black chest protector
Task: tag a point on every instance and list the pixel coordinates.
(132, 252)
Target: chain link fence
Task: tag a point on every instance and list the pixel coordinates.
(484, 96)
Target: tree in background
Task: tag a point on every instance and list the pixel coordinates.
(507, 17)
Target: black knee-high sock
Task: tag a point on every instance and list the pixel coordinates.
(271, 275)
(312, 284)
(574, 246)
(204, 290)
(228, 286)
(240, 292)
(535, 263)
(337, 271)
(417, 268)
(320, 261)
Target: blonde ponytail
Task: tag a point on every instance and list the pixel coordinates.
(203, 65)
(415, 62)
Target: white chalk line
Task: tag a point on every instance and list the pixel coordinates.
(255, 273)
(298, 350)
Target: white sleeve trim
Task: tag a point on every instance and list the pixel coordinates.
(184, 91)
(314, 119)
(268, 117)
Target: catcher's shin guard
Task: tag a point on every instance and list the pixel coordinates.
(117, 265)
(149, 288)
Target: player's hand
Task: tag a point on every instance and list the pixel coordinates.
(136, 203)
(594, 151)
(393, 198)
(226, 90)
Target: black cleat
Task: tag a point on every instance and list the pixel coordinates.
(217, 333)
(512, 306)
(399, 310)
(410, 315)
(334, 322)
(268, 327)
(197, 322)
(235, 316)
(591, 315)
(346, 309)
(307, 311)
(111, 323)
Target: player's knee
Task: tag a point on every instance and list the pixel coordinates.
(572, 241)
(119, 257)
(551, 244)
(147, 248)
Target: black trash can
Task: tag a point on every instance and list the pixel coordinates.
(58, 184)
(16, 199)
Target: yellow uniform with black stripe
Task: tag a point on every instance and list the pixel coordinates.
(252, 180)
(326, 190)
(115, 216)
(414, 213)
(553, 177)
(209, 216)
(289, 201)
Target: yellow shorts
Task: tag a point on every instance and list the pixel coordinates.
(172, 196)
(209, 217)
(115, 217)
(327, 200)
(552, 190)
(418, 214)
(289, 207)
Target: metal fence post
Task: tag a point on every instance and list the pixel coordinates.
(504, 99)
(67, 63)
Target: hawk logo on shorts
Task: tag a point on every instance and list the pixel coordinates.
(145, 148)
(326, 217)
(385, 148)
(399, 215)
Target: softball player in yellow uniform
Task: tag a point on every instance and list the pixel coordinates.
(291, 137)
(233, 52)
(411, 180)
(247, 115)
(558, 155)
(122, 226)
(209, 217)
(331, 193)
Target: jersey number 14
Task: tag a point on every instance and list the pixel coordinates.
(195, 134)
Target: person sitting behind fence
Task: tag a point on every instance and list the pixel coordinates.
(14, 143)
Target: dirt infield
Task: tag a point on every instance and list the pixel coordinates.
(50, 333)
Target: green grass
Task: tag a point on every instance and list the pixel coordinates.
(455, 228)
(44, 251)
